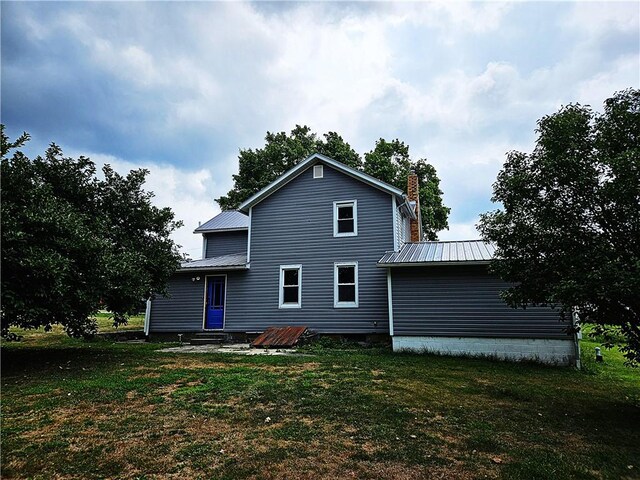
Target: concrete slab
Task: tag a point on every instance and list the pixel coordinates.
(236, 349)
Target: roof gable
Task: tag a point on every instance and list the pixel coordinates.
(305, 164)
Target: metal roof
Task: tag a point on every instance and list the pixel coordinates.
(279, 337)
(226, 221)
(439, 253)
(307, 163)
(234, 261)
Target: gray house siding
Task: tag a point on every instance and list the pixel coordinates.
(295, 226)
(464, 301)
(224, 243)
(182, 310)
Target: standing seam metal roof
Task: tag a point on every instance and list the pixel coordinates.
(228, 262)
(226, 220)
(464, 251)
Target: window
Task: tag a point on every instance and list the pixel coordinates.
(345, 293)
(345, 219)
(318, 171)
(290, 286)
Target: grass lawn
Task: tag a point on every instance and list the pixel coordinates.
(75, 409)
(40, 338)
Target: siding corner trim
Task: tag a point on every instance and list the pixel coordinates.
(390, 301)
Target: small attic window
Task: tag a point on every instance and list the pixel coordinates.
(318, 171)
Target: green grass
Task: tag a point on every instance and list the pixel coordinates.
(40, 338)
(105, 323)
(75, 409)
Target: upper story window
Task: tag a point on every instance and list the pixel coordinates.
(345, 218)
(345, 286)
(290, 286)
(318, 171)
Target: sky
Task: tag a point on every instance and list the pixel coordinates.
(179, 87)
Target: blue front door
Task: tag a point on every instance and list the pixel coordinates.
(215, 303)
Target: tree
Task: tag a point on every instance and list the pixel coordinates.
(391, 163)
(259, 167)
(388, 161)
(73, 243)
(569, 230)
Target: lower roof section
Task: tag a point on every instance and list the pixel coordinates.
(225, 221)
(233, 261)
(463, 252)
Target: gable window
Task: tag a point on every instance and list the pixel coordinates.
(345, 288)
(290, 286)
(345, 218)
(318, 171)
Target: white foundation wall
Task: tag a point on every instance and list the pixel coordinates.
(550, 351)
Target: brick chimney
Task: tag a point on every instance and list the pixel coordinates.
(413, 189)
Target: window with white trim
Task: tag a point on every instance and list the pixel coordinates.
(345, 218)
(290, 286)
(318, 171)
(345, 288)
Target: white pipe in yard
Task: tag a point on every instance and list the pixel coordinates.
(147, 317)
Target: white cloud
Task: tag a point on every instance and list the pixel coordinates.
(602, 17)
(449, 16)
(189, 193)
(624, 73)
(460, 231)
(433, 74)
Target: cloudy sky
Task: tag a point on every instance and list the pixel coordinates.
(178, 88)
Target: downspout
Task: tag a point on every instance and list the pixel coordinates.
(577, 336)
(249, 239)
(390, 301)
(147, 318)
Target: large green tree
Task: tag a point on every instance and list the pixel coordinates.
(388, 161)
(73, 243)
(391, 163)
(259, 167)
(568, 232)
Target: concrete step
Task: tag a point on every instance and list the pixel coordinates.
(206, 341)
(208, 338)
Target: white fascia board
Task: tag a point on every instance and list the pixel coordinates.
(432, 264)
(216, 230)
(213, 269)
(302, 166)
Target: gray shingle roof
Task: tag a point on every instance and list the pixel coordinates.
(234, 261)
(433, 253)
(228, 220)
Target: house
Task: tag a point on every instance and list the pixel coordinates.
(338, 251)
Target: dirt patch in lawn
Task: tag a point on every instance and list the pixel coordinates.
(196, 363)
